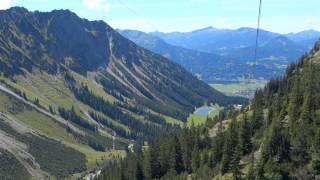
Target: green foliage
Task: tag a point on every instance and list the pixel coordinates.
(245, 135)
(73, 117)
(217, 147)
(230, 153)
(56, 158)
(138, 129)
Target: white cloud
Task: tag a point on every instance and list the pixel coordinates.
(97, 5)
(5, 4)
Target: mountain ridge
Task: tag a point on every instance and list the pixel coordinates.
(233, 50)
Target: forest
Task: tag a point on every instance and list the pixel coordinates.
(276, 137)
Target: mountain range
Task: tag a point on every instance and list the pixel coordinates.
(228, 55)
(75, 93)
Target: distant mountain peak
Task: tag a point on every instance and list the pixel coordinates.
(305, 35)
(310, 31)
(245, 29)
(21, 12)
(18, 9)
(281, 38)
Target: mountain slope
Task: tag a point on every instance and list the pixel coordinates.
(80, 91)
(199, 63)
(306, 38)
(304, 35)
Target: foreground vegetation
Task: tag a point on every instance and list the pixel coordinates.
(276, 137)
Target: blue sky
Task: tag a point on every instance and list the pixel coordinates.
(185, 15)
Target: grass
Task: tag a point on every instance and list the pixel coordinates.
(94, 158)
(234, 88)
(227, 176)
(52, 91)
(171, 120)
(198, 120)
(48, 89)
(93, 87)
(49, 128)
(113, 122)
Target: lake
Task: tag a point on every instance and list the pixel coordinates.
(203, 110)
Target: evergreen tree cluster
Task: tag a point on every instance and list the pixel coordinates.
(73, 117)
(276, 137)
(154, 126)
(191, 152)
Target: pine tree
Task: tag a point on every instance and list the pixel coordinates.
(155, 165)
(51, 109)
(235, 167)
(257, 118)
(259, 170)
(195, 163)
(277, 145)
(147, 165)
(37, 102)
(316, 141)
(217, 143)
(178, 155)
(295, 101)
(24, 95)
(231, 141)
(172, 155)
(251, 172)
(186, 150)
(139, 172)
(245, 136)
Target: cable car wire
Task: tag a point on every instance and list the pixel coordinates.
(258, 31)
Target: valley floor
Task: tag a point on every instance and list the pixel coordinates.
(242, 89)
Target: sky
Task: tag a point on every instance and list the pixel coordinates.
(282, 16)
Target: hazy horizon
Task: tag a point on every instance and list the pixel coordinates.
(281, 16)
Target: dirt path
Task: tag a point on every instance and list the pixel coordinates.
(101, 129)
(92, 175)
